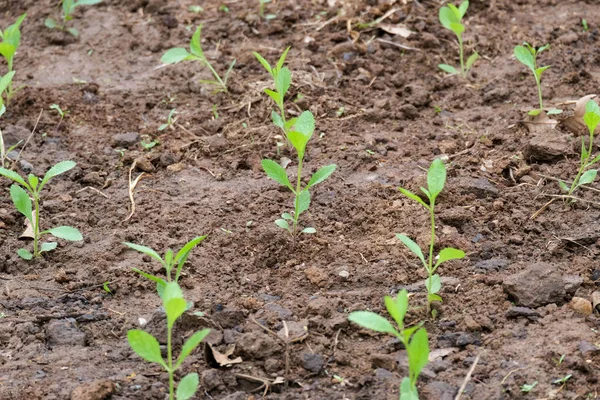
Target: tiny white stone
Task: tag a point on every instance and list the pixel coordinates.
(142, 322)
(344, 274)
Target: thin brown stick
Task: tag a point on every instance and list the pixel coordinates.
(398, 45)
(541, 210)
(132, 185)
(94, 189)
(32, 132)
(467, 378)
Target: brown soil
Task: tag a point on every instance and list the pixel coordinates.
(399, 113)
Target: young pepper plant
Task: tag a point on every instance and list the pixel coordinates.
(298, 131)
(147, 346)
(451, 18)
(585, 175)
(11, 39)
(527, 55)
(68, 7)
(178, 54)
(170, 261)
(436, 179)
(22, 201)
(414, 339)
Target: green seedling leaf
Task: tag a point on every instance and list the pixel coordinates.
(22, 202)
(6, 80)
(65, 232)
(175, 55)
(433, 284)
(418, 350)
(322, 174)
(524, 55)
(407, 392)
(14, 176)
(563, 186)
(554, 111)
(538, 72)
(303, 201)
(534, 113)
(372, 321)
(263, 62)
(276, 98)
(182, 255)
(433, 297)
(159, 281)
(592, 106)
(73, 31)
(397, 307)
(146, 346)
(299, 141)
(50, 23)
(282, 223)
(448, 17)
(195, 46)
(87, 2)
(448, 254)
(414, 197)
(588, 177)
(7, 50)
(145, 250)
(412, 246)
(283, 80)
(25, 254)
(277, 173)
(190, 345)
(309, 230)
(544, 47)
(174, 309)
(305, 124)
(48, 246)
(591, 116)
(458, 29)
(436, 177)
(471, 60)
(58, 169)
(526, 388)
(463, 8)
(287, 216)
(282, 59)
(187, 386)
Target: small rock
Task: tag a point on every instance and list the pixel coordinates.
(470, 324)
(457, 339)
(282, 312)
(588, 349)
(497, 94)
(257, 345)
(125, 139)
(551, 146)
(97, 390)
(312, 362)
(344, 274)
(596, 276)
(581, 305)
(211, 379)
(320, 306)
(316, 276)
(515, 312)
(537, 285)
(64, 332)
(493, 264)
(479, 187)
(572, 283)
(230, 336)
(568, 38)
(383, 373)
(143, 163)
(386, 361)
(93, 178)
(229, 318)
(25, 166)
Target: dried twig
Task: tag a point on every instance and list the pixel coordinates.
(32, 132)
(94, 189)
(398, 45)
(468, 377)
(132, 185)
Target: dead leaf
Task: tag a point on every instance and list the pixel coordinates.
(28, 233)
(541, 123)
(575, 123)
(440, 353)
(400, 30)
(216, 359)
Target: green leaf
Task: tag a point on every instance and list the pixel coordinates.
(533, 113)
(287, 216)
(588, 177)
(160, 283)
(433, 284)
(187, 386)
(372, 321)
(463, 8)
(87, 2)
(309, 230)
(24, 254)
(563, 186)
(447, 17)
(277, 173)
(554, 111)
(397, 308)
(431, 297)
(544, 47)
(22, 202)
(276, 98)
(174, 308)
(190, 345)
(414, 197)
(263, 62)
(146, 346)
(412, 246)
(58, 169)
(305, 124)
(322, 174)
(299, 141)
(282, 59)
(407, 392)
(195, 46)
(50, 23)
(525, 57)
(591, 116)
(448, 68)
(145, 250)
(33, 181)
(73, 31)
(7, 50)
(471, 60)
(283, 79)
(182, 255)
(303, 201)
(65, 232)
(48, 246)
(592, 106)
(436, 177)
(418, 353)
(175, 55)
(457, 28)
(538, 72)
(282, 223)
(6, 80)
(448, 254)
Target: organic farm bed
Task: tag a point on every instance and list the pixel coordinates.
(383, 113)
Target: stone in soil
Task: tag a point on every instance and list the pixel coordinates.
(125, 139)
(515, 312)
(64, 332)
(313, 362)
(97, 390)
(211, 379)
(581, 305)
(548, 147)
(257, 345)
(535, 286)
(480, 187)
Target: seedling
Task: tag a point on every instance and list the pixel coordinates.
(146, 346)
(451, 18)
(106, 288)
(171, 119)
(5, 83)
(261, 10)
(22, 201)
(178, 54)
(169, 261)
(585, 175)
(527, 55)
(585, 25)
(526, 388)
(298, 132)
(11, 39)
(68, 7)
(147, 142)
(59, 110)
(436, 179)
(414, 339)
(563, 380)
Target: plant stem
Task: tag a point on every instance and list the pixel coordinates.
(430, 260)
(539, 85)
(170, 360)
(583, 165)
(217, 77)
(296, 208)
(36, 225)
(462, 57)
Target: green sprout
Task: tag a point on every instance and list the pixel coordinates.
(527, 55)
(147, 346)
(526, 388)
(5, 82)
(106, 288)
(261, 10)
(563, 380)
(148, 143)
(451, 17)
(196, 9)
(68, 6)
(178, 54)
(22, 202)
(11, 39)
(414, 339)
(59, 110)
(224, 8)
(436, 179)
(585, 175)
(169, 261)
(170, 121)
(585, 25)
(298, 131)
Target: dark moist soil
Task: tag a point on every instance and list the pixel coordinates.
(383, 113)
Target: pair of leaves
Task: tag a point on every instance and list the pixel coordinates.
(451, 17)
(279, 175)
(11, 38)
(446, 254)
(591, 116)
(70, 5)
(436, 180)
(178, 54)
(267, 66)
(527, 55)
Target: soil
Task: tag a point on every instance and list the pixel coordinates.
(383, 114)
